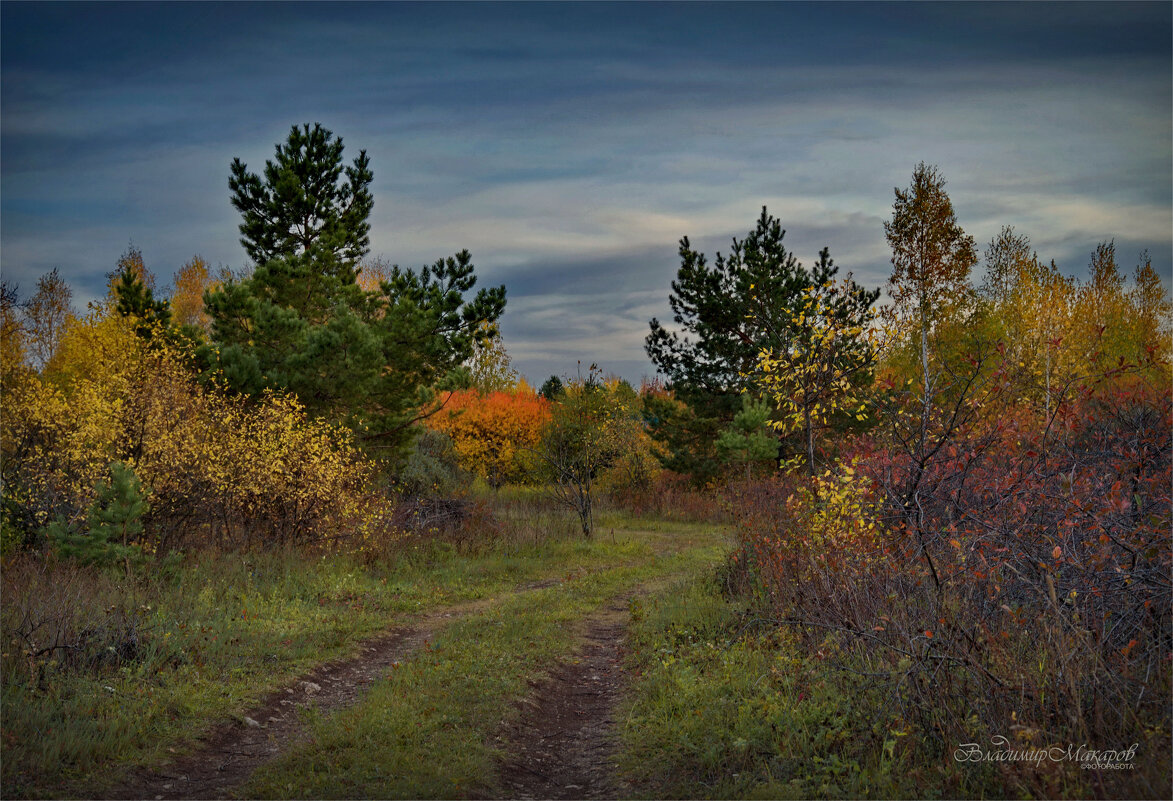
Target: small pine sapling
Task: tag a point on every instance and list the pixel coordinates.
(749, 438)
(113, 522)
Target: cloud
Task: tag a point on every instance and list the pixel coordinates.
(570, 146)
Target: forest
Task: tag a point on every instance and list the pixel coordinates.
(300, 528)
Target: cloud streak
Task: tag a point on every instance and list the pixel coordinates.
(570, 146)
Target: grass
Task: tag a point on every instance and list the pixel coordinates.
(427, 730)
(725, 706)
(721, 710)
(225, 630)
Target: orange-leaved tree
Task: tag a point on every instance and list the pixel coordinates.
(493, 434)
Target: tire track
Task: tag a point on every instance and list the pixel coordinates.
(562, 746)
(232, 751)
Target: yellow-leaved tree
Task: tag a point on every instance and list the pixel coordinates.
(46, 315)
(1033, 307)
(215, 467)
(187, 299)
(825, 369)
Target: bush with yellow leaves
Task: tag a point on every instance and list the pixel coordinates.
(216, 468)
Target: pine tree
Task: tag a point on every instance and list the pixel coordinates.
(133, 298)
(368, 357)
(302, 206)
(730, 312)
(749, 438)
(113, 523)
(552, 388)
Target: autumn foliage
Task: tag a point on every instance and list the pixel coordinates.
(215, 468)
(493, 434)
(1025, 588)
(993, 557)
(187, 298)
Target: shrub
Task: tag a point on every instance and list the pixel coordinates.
(1023, 592)
(63, 615)
(432, 468)
(670, 496)
(219, 468)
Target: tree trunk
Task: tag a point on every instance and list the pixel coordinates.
(810, 442)
(586, 516)
(125, 550)
(586, 513)
(924, 359)
(927, 396)
(1048, 381)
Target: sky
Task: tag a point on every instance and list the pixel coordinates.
(570, 146)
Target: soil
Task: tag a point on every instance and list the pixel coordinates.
(563, 744)
(227, 755)
(560, 747)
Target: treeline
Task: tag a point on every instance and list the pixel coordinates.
(259, 406)
(971, 523)
(314, 396)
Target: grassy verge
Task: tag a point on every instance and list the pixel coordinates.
(720, 710)
(728, 706)
(161, 660)
(426, 730)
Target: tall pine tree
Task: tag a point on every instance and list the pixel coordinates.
(302, 205)
(730, 312)
(303, 323)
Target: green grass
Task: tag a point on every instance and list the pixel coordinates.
(725, 705)
(426, 731)
(719, 711)
(226, 630)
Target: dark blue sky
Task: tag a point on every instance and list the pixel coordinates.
(570, 146)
